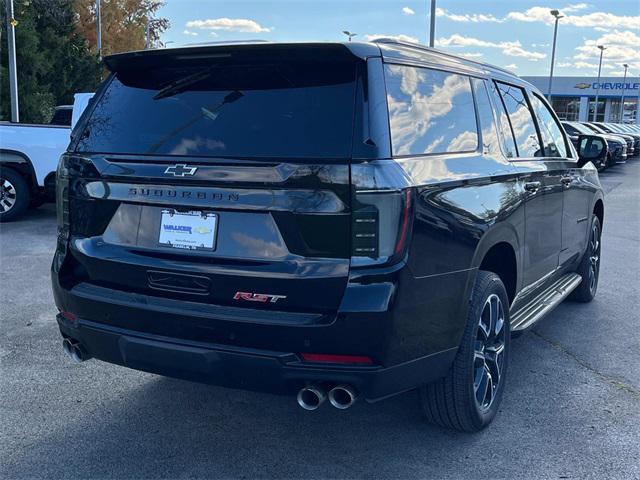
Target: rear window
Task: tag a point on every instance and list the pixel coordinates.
(430, 111)
(292, 109)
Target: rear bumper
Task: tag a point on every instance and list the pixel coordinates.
(244, 368)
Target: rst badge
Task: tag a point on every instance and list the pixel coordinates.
(258, 297)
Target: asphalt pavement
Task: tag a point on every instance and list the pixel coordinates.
(571, 408)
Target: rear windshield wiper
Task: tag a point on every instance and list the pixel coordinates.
(181, 84)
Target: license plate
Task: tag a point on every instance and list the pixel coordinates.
(188, 230)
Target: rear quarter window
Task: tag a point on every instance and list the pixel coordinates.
(430, 111)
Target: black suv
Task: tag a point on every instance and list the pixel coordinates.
(339, 221)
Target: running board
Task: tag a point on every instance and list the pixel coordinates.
(543, 303)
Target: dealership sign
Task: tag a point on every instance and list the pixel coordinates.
(608, 85)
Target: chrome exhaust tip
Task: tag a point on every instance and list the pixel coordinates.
(311, 397)
(343, 396)
(75, 351)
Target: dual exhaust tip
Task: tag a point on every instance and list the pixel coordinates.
(341, 397)
(75, 350)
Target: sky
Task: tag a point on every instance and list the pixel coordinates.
(515, 34)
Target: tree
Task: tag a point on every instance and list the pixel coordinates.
(124, 23)
(53, 60)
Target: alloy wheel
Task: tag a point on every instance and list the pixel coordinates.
(489, 350)
(594, 257)
(8, 195)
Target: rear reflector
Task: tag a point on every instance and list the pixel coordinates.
(344, 359)
(69, 316)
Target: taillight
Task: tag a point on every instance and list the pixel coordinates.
(382, 211)
(62, 211)
(330, 358)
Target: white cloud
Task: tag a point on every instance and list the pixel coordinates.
(467, 17)
(400, 38)
(574, 8)
(408, 11)
(511, 66)
(229, 24)
(512, 49)
(189, 32)
(595, 19)
(622, 47)
(543, 15)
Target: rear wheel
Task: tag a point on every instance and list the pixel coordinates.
(14, 195)
(468, 397)
(589, 268)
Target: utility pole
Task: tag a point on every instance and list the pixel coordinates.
(624, 84)
(432, 28)
(13, 71)
(556, 14)
(98, 29)
(595, 108)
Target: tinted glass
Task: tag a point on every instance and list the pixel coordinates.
(506, 134)
(430, 111)
(292, 109)
(550, 131)
(490, 142)
(62, 116)
(524, 129)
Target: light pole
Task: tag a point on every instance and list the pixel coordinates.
(432, 26)
(556, 14)
(98, 29)
(349, 34)
(595, 108)
(13, 71)
(624, 84)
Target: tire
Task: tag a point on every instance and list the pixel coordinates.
(457, 401)
(589, 268)
(14, 195)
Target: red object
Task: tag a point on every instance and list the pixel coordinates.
(325, 358)
(69, 316)
(404, 227)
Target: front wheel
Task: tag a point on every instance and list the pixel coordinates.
(589, 268)
(468, 397)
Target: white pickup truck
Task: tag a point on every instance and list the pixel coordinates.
(29, 157)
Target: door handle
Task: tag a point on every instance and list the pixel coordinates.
(566, 181)
(532, 186)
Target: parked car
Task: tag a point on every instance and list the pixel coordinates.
(323, 219)
(617, 147)
(29, 156)
(618, 129)
(595, 128)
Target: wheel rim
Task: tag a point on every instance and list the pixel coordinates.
(8, 195)
(594, 257)
(489, 352)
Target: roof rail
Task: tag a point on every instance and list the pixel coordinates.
(424, 48)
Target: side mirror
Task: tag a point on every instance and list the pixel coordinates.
(591, 148)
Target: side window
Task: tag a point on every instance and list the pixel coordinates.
(506, 134)
(524, 128)
(552, 137)
(430, 111)
(490, 139)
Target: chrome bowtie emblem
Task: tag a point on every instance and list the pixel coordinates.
(180, 170)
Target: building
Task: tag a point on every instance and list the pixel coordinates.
(574, 98)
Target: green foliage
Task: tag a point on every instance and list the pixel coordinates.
(54, 61)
